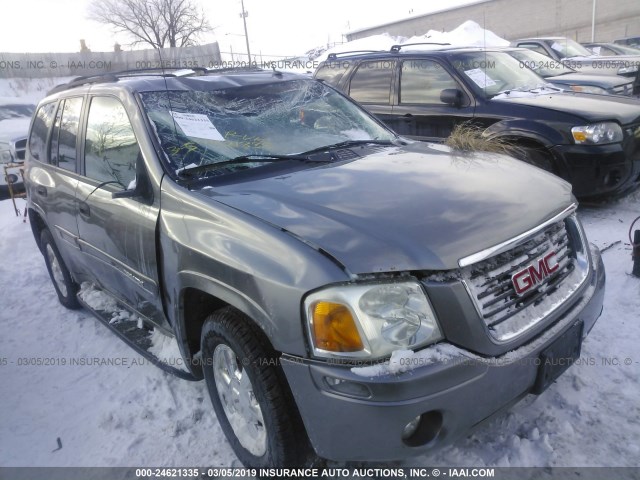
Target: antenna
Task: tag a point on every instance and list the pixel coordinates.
(484, 47)
(166, 89)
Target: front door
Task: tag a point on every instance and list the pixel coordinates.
(420, 113)
(117, 235)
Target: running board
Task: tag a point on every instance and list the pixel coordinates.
(128, 325)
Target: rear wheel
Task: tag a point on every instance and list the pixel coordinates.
(249, 393)
(65, 287)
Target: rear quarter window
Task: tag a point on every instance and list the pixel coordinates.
(40, 129)
(332, 72)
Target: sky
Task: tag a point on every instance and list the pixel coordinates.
(275, 27)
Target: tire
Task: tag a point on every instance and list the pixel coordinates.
(65, 287)
(249, 393)
(538, 157)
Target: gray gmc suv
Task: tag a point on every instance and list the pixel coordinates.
(344, 292)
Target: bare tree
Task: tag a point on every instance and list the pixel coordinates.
(160, 23)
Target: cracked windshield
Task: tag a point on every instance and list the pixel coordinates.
(252, 124)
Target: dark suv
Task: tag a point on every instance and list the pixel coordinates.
(342, 291)
(593, 141)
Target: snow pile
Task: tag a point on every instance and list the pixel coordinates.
(163, 347)
(166, 349)
(374, 42)
(467, 34)
(98, 300)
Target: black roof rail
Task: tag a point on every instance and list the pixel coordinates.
(397, 48)
(76, 82)
(114, 76)
(244, 68)
(333, 56)
(160, 70)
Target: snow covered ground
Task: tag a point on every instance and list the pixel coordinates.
(130, 413)
(29, 89)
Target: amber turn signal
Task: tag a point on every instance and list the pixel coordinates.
(334, 328)
(579, 136)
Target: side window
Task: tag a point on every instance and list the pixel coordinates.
(65, 133)
(332, 72)
(40, 130)
(111, 149)
(422, 81)
(372, 82)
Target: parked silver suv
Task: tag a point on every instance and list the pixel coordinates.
(344, 292)
(15, 116)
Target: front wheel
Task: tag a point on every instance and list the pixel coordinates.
(249, 393)
(538, 157)
(65, 287)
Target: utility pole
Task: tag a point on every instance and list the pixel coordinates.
(593, 22)
(244, 16)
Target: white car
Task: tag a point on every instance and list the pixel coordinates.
(15, 116)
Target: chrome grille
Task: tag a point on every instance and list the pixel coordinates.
(20, 148)
(490, 284)
(625, 89)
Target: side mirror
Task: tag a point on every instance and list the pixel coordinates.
(452, 96)
(141, 187)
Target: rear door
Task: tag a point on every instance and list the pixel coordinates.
(117, 235)
(53, 172)
(371, 86)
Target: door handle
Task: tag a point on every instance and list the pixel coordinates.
(40, 190)
(84, 209)
(407, 117)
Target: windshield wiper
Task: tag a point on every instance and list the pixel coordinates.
(267, 158)
(346, 144)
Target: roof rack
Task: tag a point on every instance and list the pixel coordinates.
(245, 68)
(76, 82)
(333, 56)
(115, 76)
(397, 48)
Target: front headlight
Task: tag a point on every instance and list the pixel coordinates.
(5, 153)
(597, 134)
(370, 321)
(589, 89)
(628, 69)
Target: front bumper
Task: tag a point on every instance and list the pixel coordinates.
(364, 418)
(596, 170)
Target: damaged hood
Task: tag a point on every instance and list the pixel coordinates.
(417, 207)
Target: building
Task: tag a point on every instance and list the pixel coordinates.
(512, 19)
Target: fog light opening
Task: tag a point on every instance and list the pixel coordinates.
(423, 429)
(612, 178)
(347, 387)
